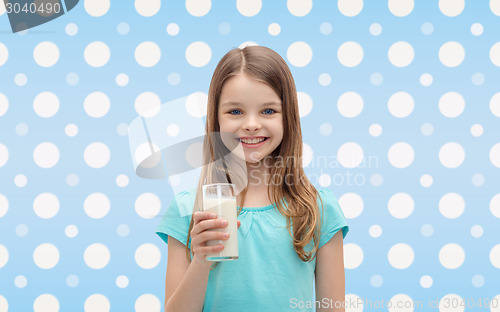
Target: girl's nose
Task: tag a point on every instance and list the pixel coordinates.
(252, 124)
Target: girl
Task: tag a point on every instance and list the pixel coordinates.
(289, 233)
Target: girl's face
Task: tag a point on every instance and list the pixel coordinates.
(252, 112)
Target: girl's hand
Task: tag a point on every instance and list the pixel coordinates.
(200, 235)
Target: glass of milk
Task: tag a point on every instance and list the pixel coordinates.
(220, 199)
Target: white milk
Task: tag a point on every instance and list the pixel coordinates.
(224, 208)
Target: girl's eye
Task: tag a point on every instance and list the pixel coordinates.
(269, 110)
(234, 110)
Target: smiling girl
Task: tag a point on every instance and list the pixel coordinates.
(290, 235)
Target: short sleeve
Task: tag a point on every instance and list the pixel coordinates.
(175, 222)
(332, 216)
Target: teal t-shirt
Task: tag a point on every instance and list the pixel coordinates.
(268, 274)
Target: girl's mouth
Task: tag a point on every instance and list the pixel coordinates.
(253, 142)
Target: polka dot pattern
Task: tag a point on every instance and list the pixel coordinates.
(399, 97)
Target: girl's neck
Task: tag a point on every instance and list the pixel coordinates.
(258, 175)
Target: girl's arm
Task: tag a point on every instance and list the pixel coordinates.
(330, 277)
(186, 284)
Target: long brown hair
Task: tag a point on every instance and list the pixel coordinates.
(301, 211)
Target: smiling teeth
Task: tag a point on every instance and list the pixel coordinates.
(252, 141)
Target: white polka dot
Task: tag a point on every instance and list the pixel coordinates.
(375, 130)
(451, 205)
(274, 29)
(249, 7)
(350, 104)
(20, 281)
(451, 303)
(4, 52)
(122, 180)
(401, 104)
(495, 7)
(96, 256)
(426, 80)
(401, 303)
(451, 155)
(71, 130)
(20, 79)
(147, 54)
(46, 256)
(426, 180)
(96, 8)
(46, 155)
(426, 281)
(494, 104)
(494, 205)
(147, 256)
(71, 231)
(198, 7)
(97, 54)
(352, 205)
(476, 231)
(196, 104)
(122, 281)
(495, 54)
(324, 79)
(46, 104)
(451, 256)
(307, 155)
(299, 54)
(97, 205)
(192, 154)
(96, 155)
(451, 54)
(401, 155)
(71, 29)
(305, 104)
(20, 180)
(4, 104)
(353, 256)
(122, 80)
(451, 104)
(401, 205)
(147, 104)
(96, 104)
(4, 256)
(4, 205)
(324, 180)
(46, 205)
(46, 54)
(495, 155)
(401, 256)
(476, 29)
(148, 303)
(173, 130)
(401, 8)
(247, 44)
(97, 303)
(299, 7)
(146, 157)
(350, 7)
(350, 155)
(147, 8)
(198, 54)
(4, 155)
(375, 29)
(147, 205)
(173, 29)
(476, 130)
(375, 231)
(46, 303)
(401, 54)
(495, 256)
(350, 54)
(451, 8)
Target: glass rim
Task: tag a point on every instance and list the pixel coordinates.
(205, 186)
